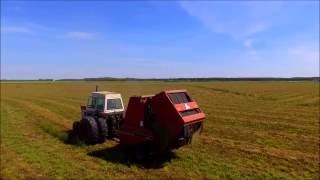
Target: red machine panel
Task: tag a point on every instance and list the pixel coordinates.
(168, 113)
(133, 130)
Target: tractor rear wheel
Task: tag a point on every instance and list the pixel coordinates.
(103, 129)
(89, 131)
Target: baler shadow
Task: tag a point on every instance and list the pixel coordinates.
(119, 154)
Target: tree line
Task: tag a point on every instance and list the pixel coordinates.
(317, 79)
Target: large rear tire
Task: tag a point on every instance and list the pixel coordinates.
(103, 129)
(89, 131)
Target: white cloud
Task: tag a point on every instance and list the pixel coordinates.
(15, 29)
(257, 27)
(304, 53)
(80, 35)
(237, 19)
(248, 43)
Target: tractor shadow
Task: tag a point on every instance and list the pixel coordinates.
(118, 154)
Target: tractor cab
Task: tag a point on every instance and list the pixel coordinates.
(103, 103)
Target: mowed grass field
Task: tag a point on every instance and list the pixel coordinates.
(252, 130)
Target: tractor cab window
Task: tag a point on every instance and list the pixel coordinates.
(91, 102)
(100, 103)
(96, 103)
(114, 104)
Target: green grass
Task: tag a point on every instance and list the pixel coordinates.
(252, 130)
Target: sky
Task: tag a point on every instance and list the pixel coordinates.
(159, 39)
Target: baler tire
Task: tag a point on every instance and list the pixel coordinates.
(141, 152)
(103, 129)
(161, 142)
(89, 131)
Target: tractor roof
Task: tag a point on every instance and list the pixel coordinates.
(103, 93)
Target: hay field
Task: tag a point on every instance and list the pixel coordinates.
(252, 130)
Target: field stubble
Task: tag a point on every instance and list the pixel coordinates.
(252, 130)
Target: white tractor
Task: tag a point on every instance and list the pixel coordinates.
(100, 118)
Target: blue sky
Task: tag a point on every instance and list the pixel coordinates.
(159, 39)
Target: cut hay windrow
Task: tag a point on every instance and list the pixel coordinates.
(259, 149)
(267, 117)
(40, 149)
(46, 114)
(275, 139)
(265, 125)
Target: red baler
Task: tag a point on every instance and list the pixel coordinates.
(167, 120)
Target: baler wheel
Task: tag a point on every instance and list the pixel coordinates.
(103, 129)
(161, 141)
(89, 131)
(141, 151)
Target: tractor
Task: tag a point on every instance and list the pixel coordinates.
(152, 124)
(101, 117)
